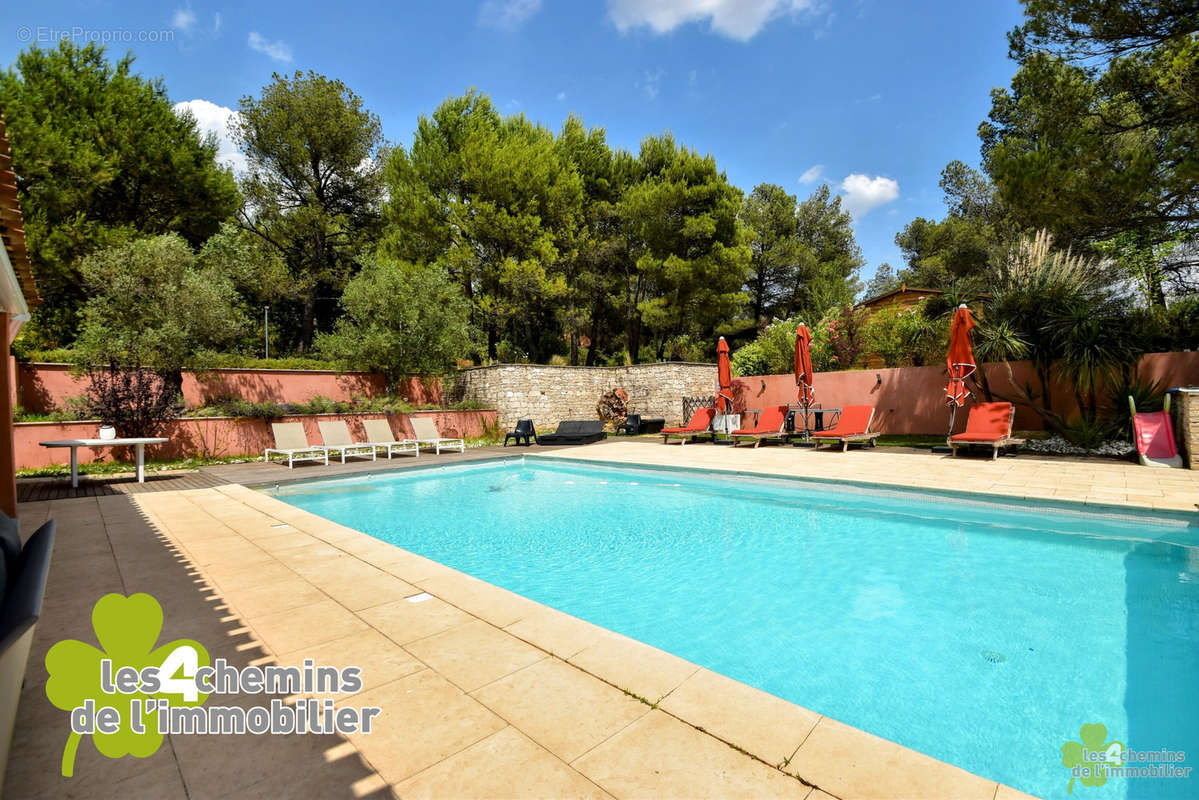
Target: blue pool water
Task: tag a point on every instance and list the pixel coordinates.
(981, 633)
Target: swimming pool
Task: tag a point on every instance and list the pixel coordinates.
(984, 633)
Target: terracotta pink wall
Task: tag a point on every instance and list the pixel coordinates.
(223, 436)
(43, 387)
(911, 399)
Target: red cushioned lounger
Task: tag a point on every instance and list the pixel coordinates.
(700, 423)
(988, 423)
(770, 424)
(852, 426)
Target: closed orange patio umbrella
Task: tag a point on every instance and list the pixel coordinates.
(960, 361)
(724, 378)
(803, 369)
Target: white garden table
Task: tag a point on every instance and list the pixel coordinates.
(138, 444)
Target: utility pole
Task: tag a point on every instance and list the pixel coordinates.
(266, 330)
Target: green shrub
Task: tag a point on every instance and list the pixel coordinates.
(904, 337)
(772, 353)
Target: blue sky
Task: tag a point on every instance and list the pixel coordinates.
(870, 96)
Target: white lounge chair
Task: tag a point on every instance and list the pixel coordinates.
(291, 441)
(426, 433)
(378, 431)
(336, 434)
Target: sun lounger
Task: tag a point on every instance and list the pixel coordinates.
(575, 431)
(291, 441)
(336, 436)
(989, 424)
(699, 424)
(771, 421)
(426, 433)
(23, 573)
(378, 434)
(852, 426)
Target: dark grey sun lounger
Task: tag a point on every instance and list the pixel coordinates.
(575, 431)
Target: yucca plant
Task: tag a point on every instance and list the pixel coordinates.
(1059, 310)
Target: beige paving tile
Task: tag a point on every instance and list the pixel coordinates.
(239, 576)
(852, 763)
(411, 567)
(759, 723)
(658, 756)
(404, 621)
(425, 719)
(498, 606)
(380, 659)
(556, 632)
(271, 598)
(633, 666)
(505, 764)
(306, 626)
(474, 653)
(562, 708)
(1004, 792)
(358, 586)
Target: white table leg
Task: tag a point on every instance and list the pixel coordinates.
(74, 468)
(141, 463)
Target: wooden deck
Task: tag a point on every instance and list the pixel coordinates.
(253, 473)
(31, 490)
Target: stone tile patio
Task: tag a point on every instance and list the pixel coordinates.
(485, 693)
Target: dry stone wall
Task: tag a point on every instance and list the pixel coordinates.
(1188, 425)
(550, 394)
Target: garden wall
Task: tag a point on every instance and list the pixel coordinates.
(910, 400)
(550, 394)
(223, 436)
(43, 387)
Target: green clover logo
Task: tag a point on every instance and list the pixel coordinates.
(1086, 755)
(127, 629)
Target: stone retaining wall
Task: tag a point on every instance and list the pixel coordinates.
(1188, 425)
(550, 394)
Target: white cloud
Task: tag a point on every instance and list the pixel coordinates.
(860, 193)
(507, 15)
(561, 96)
(276, 50)
(812, 174)
(216, 22)
(212, 118)
(183, 19)
(736, 19)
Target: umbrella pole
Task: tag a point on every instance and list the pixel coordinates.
(945, 448)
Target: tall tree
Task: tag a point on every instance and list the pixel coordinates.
(100, 158)
(692, 256)
(958, 250)
(831, 259)
(769, 214)
(601, 254)
(313, 185)
(493, 201)
(1099, 134)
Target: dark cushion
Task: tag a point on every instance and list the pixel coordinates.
(10, 545)
(569, 427)
(23, 605)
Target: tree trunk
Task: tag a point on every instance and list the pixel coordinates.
(308, 326)
(593, 348)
